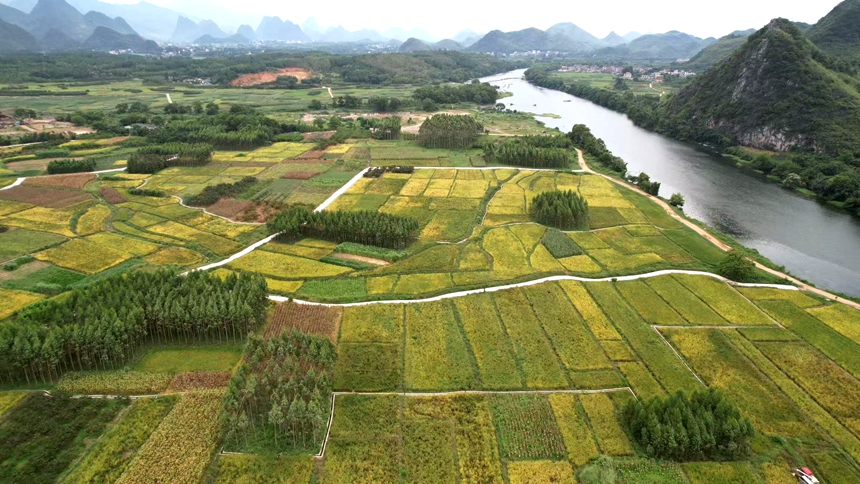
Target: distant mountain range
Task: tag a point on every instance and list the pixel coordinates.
(561, 37)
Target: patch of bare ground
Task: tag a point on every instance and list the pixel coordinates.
(199, 380)
(270, 76)
(77, 181)
(111, 195)
(361, 258)
(230, 207)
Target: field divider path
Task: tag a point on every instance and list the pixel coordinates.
(247, 250)
(681, 358)
(720, 244)
(458, 294)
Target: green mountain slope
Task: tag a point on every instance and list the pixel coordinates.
(14, 38)
(523, 41)
(105, 39)
(838, 33)
(717, 51)
(776, 92)
(413, 45)
(669, 46)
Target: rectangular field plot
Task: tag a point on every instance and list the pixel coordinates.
(11, 301)
(16, 242)
(526, 427)
(83, 256)
(724, 300)
(841, 318)
(685, 302)
(285, 266)
(722, 366)
(436, 355)
(493, 351)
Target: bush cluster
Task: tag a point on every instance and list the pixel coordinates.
(368, 228)
(71, 166)
(566, 210)
(213, 193)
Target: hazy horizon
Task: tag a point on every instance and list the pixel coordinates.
(712, 20)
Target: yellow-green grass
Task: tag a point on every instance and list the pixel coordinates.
(535, 354)
(641, 380)
(381, 285)
(449, 225)
(93, 220)
(597, 322)
(216, 244)
(831, 386)
(283, 287)
(123, 244)
(9, 399)
(191, 358)
(725, 301)
(429, 454)
(803, 400)
(601, 413)
(16, 242)
(618, 350)
(798, 298)
(841, 318)
(526, 428)
(83, 256)
(127, 229)
(376, 323)
(685, 302)
(616, 261)
(510, 259)
(45, 219)
(299, 250)
(722, 472)
(540, 471)
(220, 227)
(285, 266)
(493, 352)
(174, 256)
(648, 304)
(251, 469)
(578, 439)
(588, 240)
(649, 347)
(580, 264)
(437, 357)
(8, 207)
(714, 358)
(542, 261)
(575, 346)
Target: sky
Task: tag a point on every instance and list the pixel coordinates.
(443, 18)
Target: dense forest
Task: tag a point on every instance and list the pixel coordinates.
(413, 68)
(449, 131)
(102, 325)
(280, 398)
(367, 228)
(531, 151)
(566, 210)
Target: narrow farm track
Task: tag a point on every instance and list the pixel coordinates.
(721, 245)
(453, 295)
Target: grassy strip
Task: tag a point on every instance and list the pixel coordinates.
(380, 253)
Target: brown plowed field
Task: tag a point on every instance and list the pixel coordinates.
(316, 320)
(230, 207)
(44, 197)
(77, 181)
(112, 195)
(269, 76)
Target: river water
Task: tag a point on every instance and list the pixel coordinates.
(813, 241)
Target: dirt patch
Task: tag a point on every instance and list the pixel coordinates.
(22, 271)
(199, 380)
(230, 207)
(77, 181)
(316, 320)
(270, 76)
(318, 135)
(300, 175)
(111, 195)
(261, 212)
(44, 197)
(28, 165)
(311, 155)
(361, 258)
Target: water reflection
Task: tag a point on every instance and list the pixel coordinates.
(813, 241)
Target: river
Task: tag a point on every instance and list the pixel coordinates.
(813, 241)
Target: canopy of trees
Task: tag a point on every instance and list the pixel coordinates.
(71, 166)
(101, 325)
(281, 395)
(449, 94)
(582, 137)
(213, 193)
(449, 131)
(566, 210)
(705, 426)
(368, 228)
(531, 151)
(152, 158)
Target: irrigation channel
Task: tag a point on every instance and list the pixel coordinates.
(812, 240)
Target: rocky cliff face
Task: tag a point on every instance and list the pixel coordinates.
(777, 91)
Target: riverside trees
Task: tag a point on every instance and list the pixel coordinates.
(531, 152)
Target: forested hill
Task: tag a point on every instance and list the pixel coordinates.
(838, 33)
(776, 92)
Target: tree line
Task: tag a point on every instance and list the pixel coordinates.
(582, 137)
(102, 325)
(152, 158)
(449, 131)
(363, 227)
(531, 152)
(475, 92)
(71, 166)
(212, 193)
(281, 395)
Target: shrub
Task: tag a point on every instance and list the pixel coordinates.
(559, 244)
(292, 137)
(12, 265)
(71, 166)
(705, 426)
(212, 194)
(143, 192)
(378, 171)
(565, 210)
(736, 266)
(676, 200)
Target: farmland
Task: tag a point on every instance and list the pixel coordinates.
(509, 385)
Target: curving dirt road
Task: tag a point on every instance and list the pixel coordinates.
(717, 242)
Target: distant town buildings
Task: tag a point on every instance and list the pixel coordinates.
(638, 73)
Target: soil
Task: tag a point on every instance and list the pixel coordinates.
(77, 181)
(270, 76)
(361, 258)
(44, 197)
